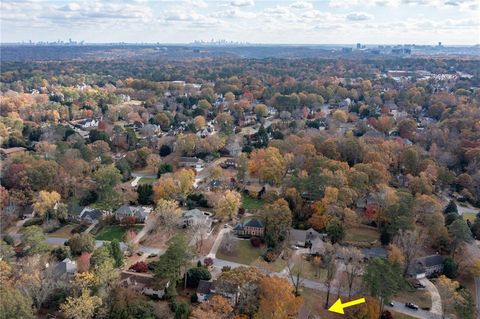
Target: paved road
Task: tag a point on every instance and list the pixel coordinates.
(422, 314)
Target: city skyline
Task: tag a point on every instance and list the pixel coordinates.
(422, 22)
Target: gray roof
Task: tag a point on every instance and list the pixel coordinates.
(374, 252)
(126, 210)
(190, 160)
(253, 223)
(204, 287)
(66, 266)
(91, 214)
(431, 261)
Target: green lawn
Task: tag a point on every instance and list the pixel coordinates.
(147, 180)
(110, 233)
(398, 315)
(64, 232)
(251, 203)
(242, 253)
(361, 234)
(469, 216)
(420, 297)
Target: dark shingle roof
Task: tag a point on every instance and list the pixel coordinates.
(433, 260)
(204, 287)
(253, 223)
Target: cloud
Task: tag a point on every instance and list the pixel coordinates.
(301, 5)
(242, 3)
(358, 16)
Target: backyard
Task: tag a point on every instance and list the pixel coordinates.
(239, 250)
(63, 232)
(250, 203)
(147, 180)
(112, 232)
(365, 234)
(469, 216)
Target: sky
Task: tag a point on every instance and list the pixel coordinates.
(453, 22)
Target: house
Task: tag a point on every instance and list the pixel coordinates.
(226, 289)
(249, 228)
(426, 266)
(139, 212)
(374, 252)
(229, 162)
(196, 217)
(248, 120)
(66, 267)
(193, 162)
(86, 123)
(9, 152)
(144, 284)
(309, 238)
(204, 290)
(90, 215)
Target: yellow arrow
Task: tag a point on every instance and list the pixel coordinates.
(338, 306)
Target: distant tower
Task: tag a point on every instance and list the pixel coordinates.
(359, 45)
(439, 44)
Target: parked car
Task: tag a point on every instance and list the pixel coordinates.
(411, 306)
(391, 304)
(419, 286)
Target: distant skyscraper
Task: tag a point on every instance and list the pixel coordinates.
(439, 44)
(359, 45)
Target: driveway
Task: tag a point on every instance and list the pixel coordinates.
(436, 299)
(218, 241)
(400, 307)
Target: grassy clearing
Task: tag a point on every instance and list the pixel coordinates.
(147, 180)
(110, 233)
(252, 203)
(420, 297)
(362, 234)
(243, 252)
(309, 271)
(469, 216)
(64, 232)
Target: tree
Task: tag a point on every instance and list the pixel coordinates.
(163, 120)
(277, 299)
(268, 164)
(194, 275)
(447, 289)
(164, 168)
(410, 245)
(165, 150)
(319, 219)
(459, 233)
(128, 304)
(34, 240)
(199, 122)
(175, 258)
(145, 192)
(116, 252)
(352, 258)
(107, 177)
(261, 110)
(330, 264)
(14, 304)
(451, 208)
(82, 307)
(383, 279)
(450, 267)
(278, 220)
(45, 202)
(167, 215)
(216, 307)
(187, 144)
(335, 230)
(80, 243)
(228, 204)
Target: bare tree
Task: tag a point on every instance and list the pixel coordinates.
(166, 216)
(295, 268)
(352, 258)
(38, 278)
(329, 262)
(410, 244)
